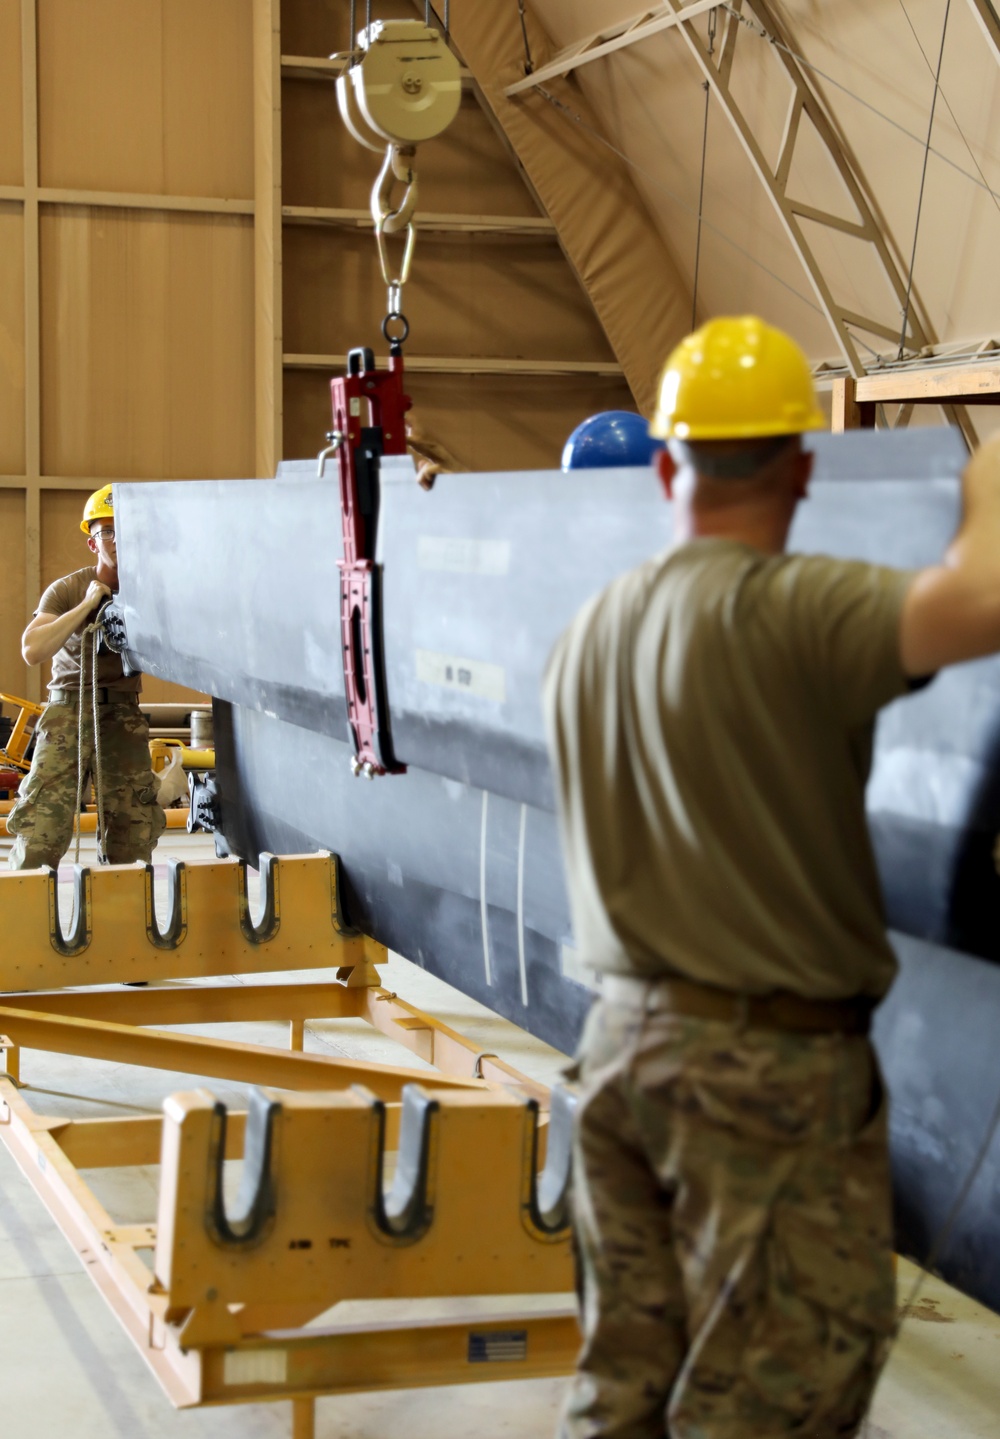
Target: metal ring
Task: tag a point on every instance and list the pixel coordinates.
(395, 339)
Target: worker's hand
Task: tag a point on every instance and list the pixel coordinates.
(981, 480)
(96, 592)
(427, 473)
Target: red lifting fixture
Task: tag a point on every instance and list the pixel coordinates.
(369, 408)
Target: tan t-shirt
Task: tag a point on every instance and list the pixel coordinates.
(61, 597)
(710, 720)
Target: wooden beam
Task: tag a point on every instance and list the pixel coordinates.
(974, 385)
(130, 200)
(846, 413)
(428, 222)
(32, 330)
(855, 400)
(312, 67)
(322, 67)
(268, 390)
(457, 365)
(84, 483)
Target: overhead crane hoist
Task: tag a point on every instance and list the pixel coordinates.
(403, 86)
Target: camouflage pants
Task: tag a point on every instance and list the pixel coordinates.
(42, 818)
(732, 1213)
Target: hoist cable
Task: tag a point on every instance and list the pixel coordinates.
(529, 64)
(701, 206)
(352, 38)
(90, 632)
(445, 19)
(764, 34)
(947, 104)
(923, 180)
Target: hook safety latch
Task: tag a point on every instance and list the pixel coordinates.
(398, 168)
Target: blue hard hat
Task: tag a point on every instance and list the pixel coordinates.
(614, 437)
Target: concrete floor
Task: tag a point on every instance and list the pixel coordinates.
(67, 1369)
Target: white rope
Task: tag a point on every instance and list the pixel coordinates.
(98, 771)
(79, 747)
(90, 632)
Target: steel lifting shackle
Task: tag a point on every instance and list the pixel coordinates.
(403, 86)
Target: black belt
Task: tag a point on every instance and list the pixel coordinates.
(781, 1010)
(104, 696)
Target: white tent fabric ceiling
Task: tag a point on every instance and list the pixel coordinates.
(873, 63)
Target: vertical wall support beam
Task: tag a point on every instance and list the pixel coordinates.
(846, 412)
(604, 228)
(32, 325)
(267, 237)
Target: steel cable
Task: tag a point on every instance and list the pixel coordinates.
(923, 180)
(658, 184)
(763, 34)
(701, 205)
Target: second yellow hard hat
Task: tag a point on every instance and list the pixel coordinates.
(99, 507)
(736, 378)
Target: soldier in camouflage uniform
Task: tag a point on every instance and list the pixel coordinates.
(710, 719)
(42, 819)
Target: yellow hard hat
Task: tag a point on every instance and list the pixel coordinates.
(100, 506)
(736, 379)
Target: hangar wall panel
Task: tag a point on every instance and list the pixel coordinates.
(11, 137)
(509, 297)
(11, 340)
(151, 97)
(12, 667)
(127, 180)
(147, 344)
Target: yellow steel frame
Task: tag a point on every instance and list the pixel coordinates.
(222, 1362)
(115, 936)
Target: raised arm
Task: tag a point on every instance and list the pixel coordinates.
(48, 633)
(952, 610)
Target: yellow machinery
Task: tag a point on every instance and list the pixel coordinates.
(22, 730)
(164, 754)
(360, 1180)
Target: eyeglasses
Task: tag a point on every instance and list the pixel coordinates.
(106, 533)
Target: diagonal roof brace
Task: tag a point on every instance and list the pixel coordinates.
(989, 22)
(606, 42)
